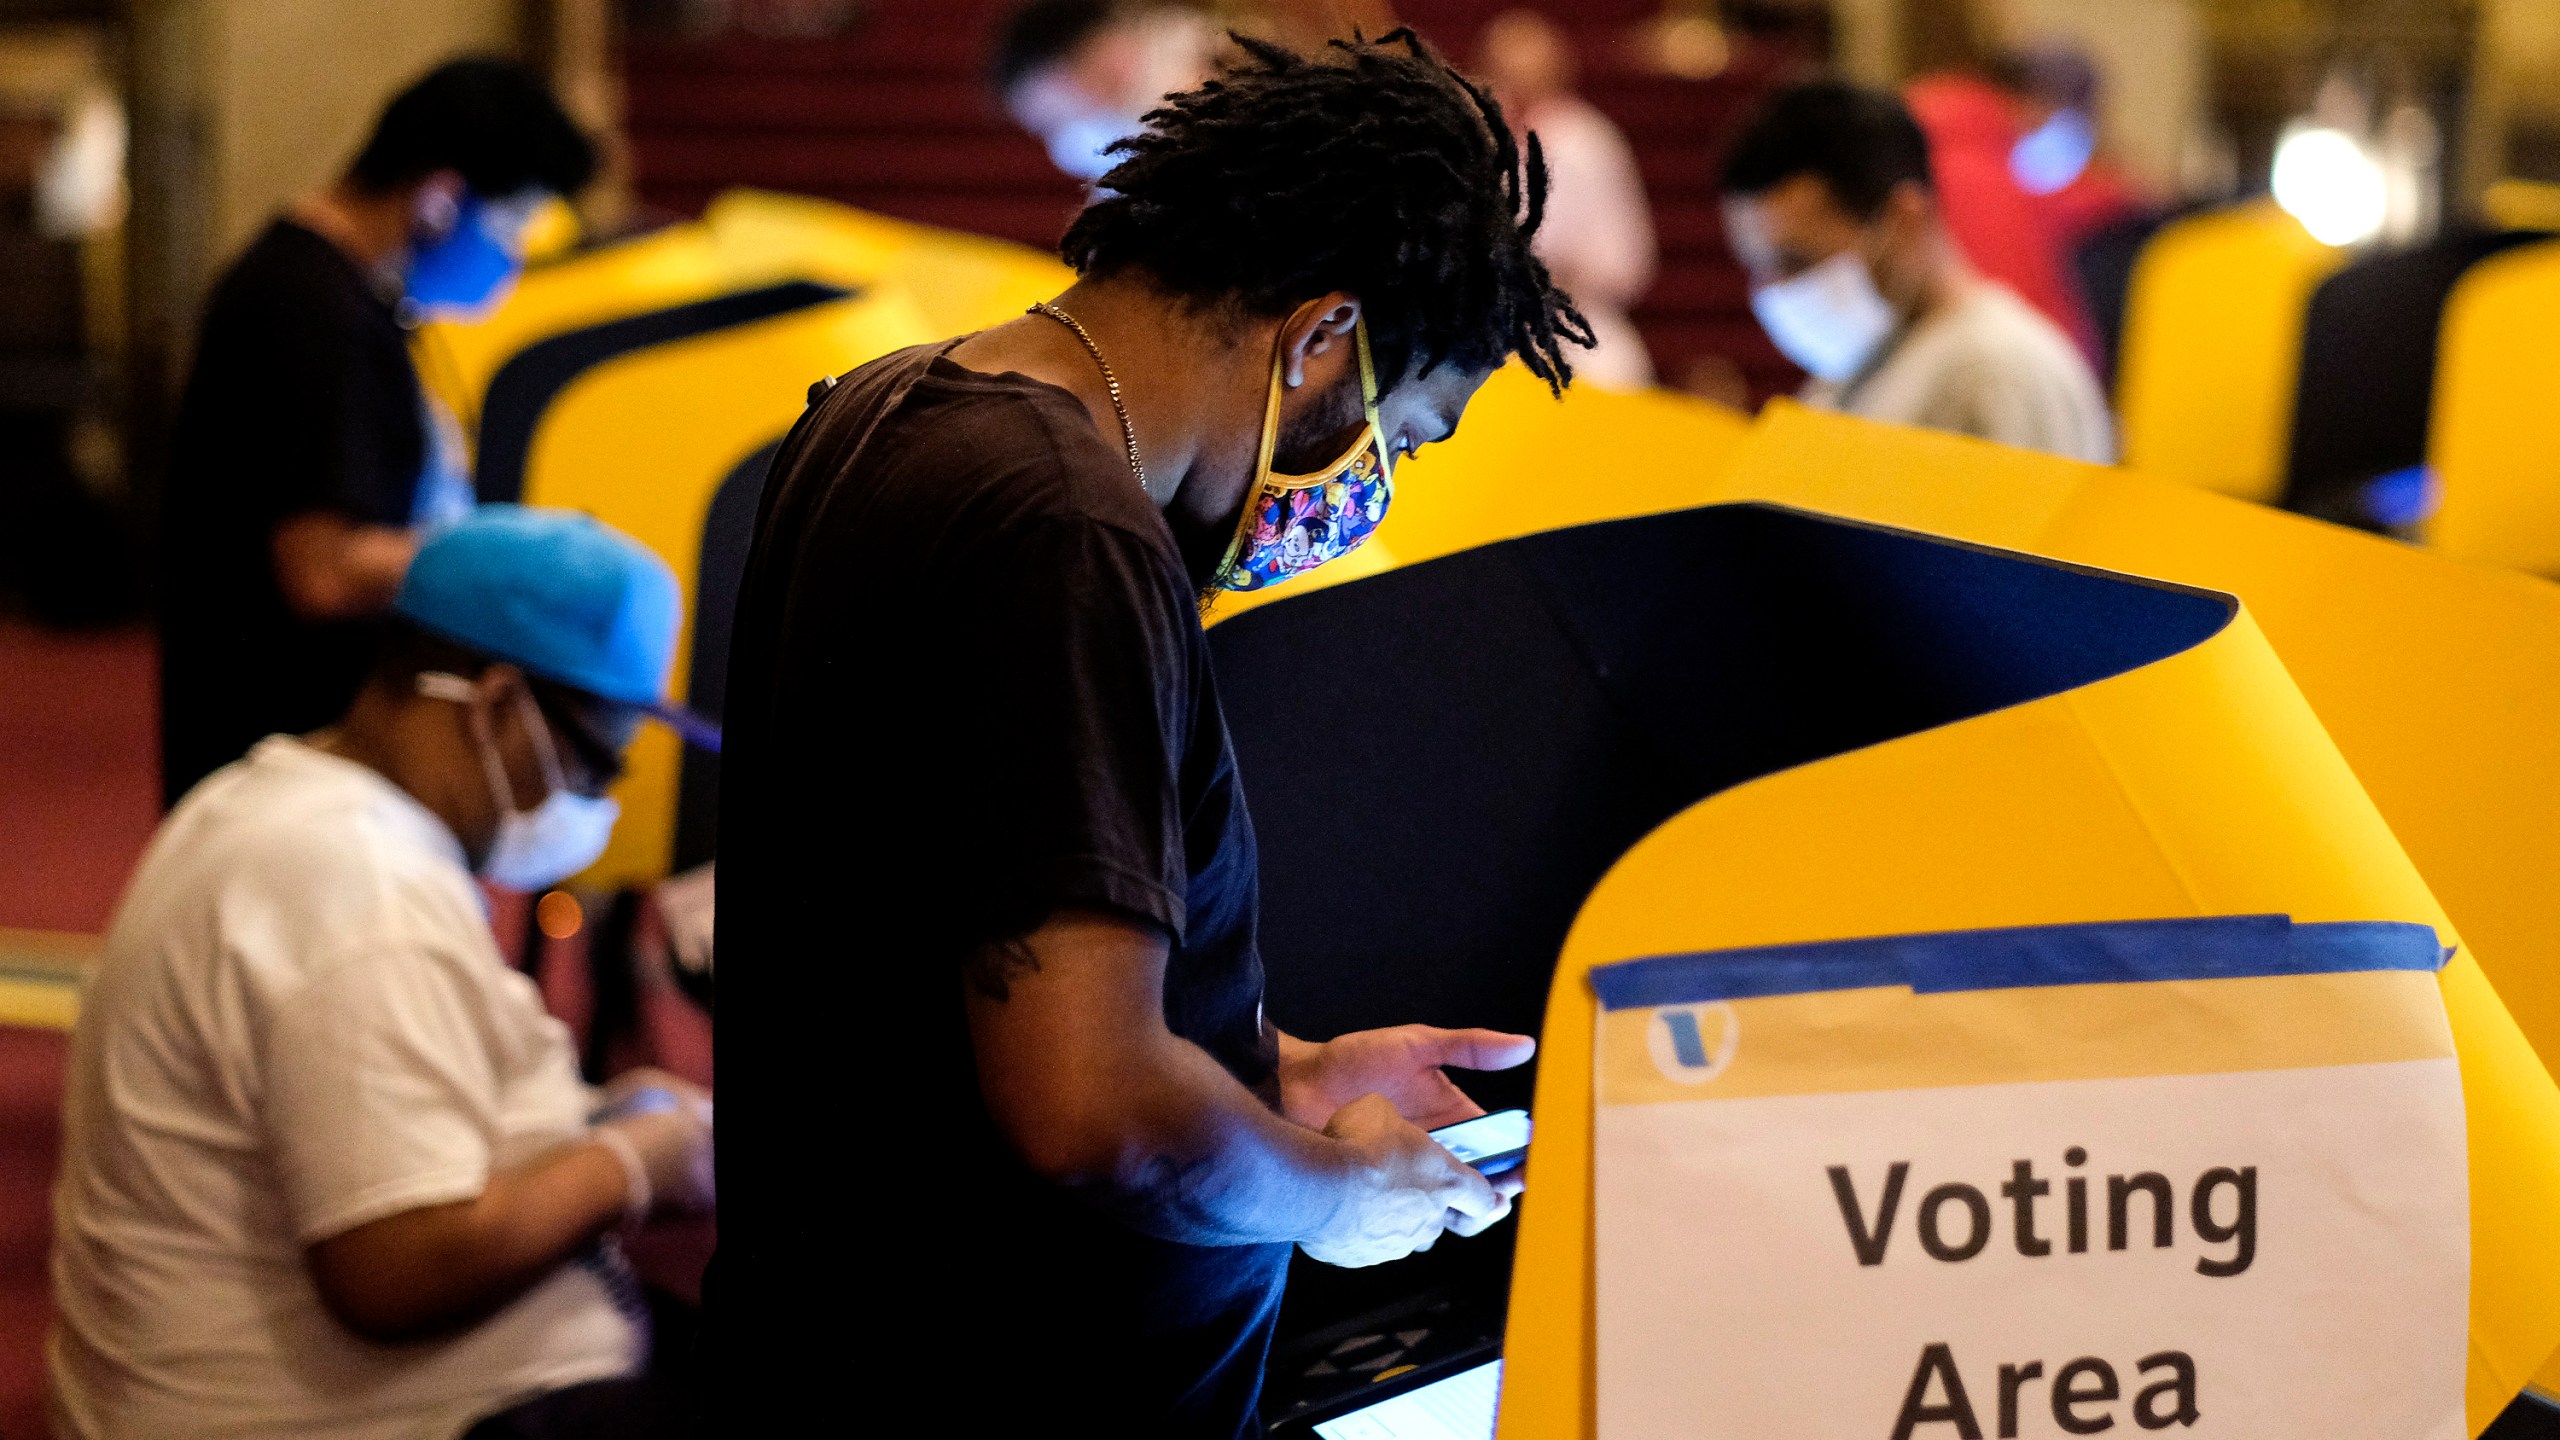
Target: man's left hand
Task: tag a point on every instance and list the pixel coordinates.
(1403, 1064)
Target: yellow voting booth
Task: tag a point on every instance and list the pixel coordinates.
(681, 263)
(740, 260)
(647, 381)
(2199, 785)
(959, 282)
(1530, 461)
(2490, 441)
(2435, 683)
(2377, 637)
(2440, 683)
(2212, 346)
(652, 443)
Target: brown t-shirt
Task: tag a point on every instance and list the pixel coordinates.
(968, 688)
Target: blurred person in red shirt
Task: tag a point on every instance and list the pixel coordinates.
(1598, 240)
(1973, 130)
(2057, 159)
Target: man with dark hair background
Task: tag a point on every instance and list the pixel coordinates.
(307, 457)
(1831, 205)
(1008, 1123)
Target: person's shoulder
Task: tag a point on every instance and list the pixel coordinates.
(1015, 450)
(2012, 375)
(289, 256)
(1996, 323)
(291, 273)
(1996, 338)
(300, 853)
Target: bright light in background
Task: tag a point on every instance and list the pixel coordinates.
(2324, 179)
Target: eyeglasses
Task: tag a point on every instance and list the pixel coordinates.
(595, 753)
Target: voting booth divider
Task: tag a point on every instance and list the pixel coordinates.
(607, 445)
(2436, 683)
(2491, 447)
(648, 382)
(673, 266)
(2199, 784)
(2213, 341)
(959, 282)
(2364, 400)
(2439, 682)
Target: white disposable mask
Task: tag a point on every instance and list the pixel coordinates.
(1081, 146)
(554, 840)
(1828, 319)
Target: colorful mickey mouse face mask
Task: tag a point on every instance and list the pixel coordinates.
(1294, 523)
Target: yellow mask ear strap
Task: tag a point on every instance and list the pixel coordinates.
(1261, 476)
(1270, 420)
(1368, 370)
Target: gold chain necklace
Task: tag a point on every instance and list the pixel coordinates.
(1110, 382)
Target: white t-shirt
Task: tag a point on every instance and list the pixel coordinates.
(1988, 366)
(301, 1024)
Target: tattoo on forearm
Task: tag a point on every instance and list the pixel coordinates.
(1176, 1197)
(992, 969)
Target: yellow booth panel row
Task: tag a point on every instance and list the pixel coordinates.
(2201, 784)
(958, 282)
(1524, 461)
(746, 239)
(2212, 347)
(644, 442)
(673, 266)
(2494, 440)
(2439, 682)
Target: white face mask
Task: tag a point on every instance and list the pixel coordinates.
(1829, 319)
(1081, 146)
(554, 840)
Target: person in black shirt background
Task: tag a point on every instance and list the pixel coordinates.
(1006, 1127)
(306, 457)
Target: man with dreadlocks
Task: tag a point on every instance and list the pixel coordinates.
(981, 810)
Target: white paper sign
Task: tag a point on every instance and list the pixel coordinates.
(1873, 1214)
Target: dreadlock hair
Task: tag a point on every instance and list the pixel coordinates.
(1376, 170)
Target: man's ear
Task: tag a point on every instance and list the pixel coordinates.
(1320, 327)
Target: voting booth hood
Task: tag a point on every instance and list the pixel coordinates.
(1751, 725)
(1445, 759)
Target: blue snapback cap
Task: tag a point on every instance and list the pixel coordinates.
(561, 594)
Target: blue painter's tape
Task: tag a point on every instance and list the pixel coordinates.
(2219, 947)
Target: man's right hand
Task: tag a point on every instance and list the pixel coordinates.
(675, 1150)
(1403, 1190)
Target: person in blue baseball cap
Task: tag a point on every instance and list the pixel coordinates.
(329, 1166)
(581, 623)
